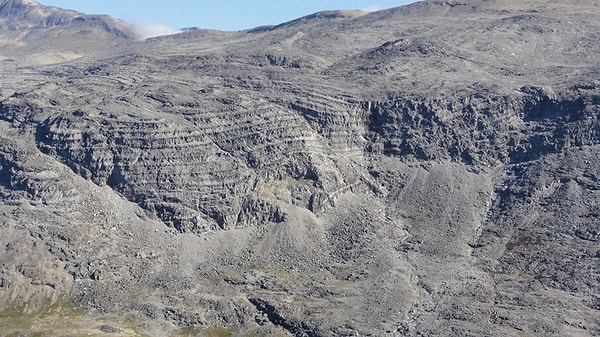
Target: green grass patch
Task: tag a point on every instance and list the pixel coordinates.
(188, 331)
(194, 331)
(219, 332)
(31, 318)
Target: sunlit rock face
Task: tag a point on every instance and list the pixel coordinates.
(33, 34)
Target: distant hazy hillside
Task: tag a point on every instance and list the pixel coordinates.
(34, 34)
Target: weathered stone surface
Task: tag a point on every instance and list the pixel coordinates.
(424, 170)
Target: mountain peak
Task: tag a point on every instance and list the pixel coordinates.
(18, 3)
(19, 14)
(33, 31)
(6, 6)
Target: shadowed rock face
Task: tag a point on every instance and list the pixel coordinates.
(424, 170)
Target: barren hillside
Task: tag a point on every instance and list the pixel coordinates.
(430, 169)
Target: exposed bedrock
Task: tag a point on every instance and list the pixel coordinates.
(427, 170)
(210, 175)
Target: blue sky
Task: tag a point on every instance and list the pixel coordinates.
(215, 14)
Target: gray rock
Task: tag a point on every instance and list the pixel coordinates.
(109, 329)
(429, 169)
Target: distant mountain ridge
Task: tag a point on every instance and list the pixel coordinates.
(23, 14)
(38, 34)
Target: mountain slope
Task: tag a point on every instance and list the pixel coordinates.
(424, 170)
(36, 34)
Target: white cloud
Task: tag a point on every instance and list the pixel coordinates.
(148, 29)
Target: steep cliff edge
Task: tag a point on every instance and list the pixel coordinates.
(424, 170)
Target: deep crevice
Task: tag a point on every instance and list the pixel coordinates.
(293, 327)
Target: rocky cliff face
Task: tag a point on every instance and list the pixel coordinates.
(424, 170)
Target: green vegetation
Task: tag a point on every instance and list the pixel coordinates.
(18, 316)
(54, 318)
(192, 331)
(188, 331)
(219, 332)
